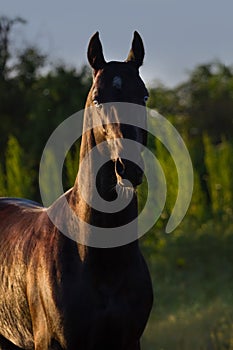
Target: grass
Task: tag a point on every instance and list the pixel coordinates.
(209, 328)
(192, 273)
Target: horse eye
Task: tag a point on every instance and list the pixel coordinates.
(146, 98)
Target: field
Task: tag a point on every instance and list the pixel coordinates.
(192, 273)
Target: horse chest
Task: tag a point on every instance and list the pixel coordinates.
(104, 318)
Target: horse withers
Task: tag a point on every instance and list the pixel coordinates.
(55, 292)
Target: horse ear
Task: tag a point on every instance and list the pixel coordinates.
(95, 53)
(137, 51)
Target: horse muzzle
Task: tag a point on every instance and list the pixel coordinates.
(130, 171)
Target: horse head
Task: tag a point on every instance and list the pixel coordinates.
(117, 98)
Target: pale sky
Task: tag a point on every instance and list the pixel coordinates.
(177, 34)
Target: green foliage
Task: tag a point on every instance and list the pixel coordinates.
(50, 184)
(71, 164)
(169, 169)
(198, 207)
(18, 178)
(219, 162)
(34, 104)
(27, 68)
(165, 100)
(208, 100)
(54, 97)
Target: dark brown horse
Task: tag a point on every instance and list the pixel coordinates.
(56, 293)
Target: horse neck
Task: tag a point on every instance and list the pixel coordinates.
(86, 180)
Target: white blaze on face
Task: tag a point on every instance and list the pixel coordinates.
(117, 82)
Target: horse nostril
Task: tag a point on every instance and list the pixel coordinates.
(120, 167)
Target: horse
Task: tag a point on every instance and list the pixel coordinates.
(58, 293)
